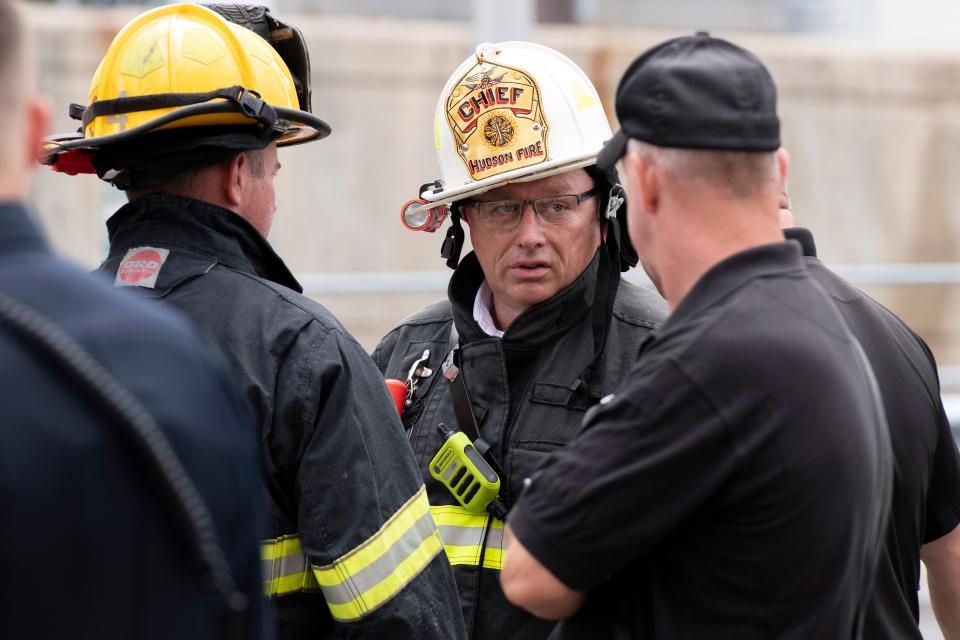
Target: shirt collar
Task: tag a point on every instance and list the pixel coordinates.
(482, 311)
(199, 226)
(18, 231)
(737, 271)
(805, 238)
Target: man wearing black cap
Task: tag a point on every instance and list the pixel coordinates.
(736, 486)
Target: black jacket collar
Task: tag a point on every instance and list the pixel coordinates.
(734, 272)
(18, 232)
(805, 238)
(201, 227)
(536, 326)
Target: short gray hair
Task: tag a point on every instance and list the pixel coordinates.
(742, 174)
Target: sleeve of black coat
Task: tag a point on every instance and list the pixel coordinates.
(625, 482)
(943, 496)
(364, 519)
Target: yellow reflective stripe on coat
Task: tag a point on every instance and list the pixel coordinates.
(375, 571)
(462, 533)
(285, 567)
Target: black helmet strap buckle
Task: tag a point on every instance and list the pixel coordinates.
(252, 105)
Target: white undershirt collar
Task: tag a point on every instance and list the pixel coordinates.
(481, 311)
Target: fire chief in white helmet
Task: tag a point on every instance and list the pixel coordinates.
(538, 325)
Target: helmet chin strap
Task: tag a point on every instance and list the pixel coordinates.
(614, 258)
(453, 241)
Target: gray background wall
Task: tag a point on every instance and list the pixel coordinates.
(873, 128)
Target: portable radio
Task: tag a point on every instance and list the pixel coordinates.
(460, 468)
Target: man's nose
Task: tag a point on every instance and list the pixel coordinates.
(530, 227)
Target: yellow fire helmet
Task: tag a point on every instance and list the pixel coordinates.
(185, 66)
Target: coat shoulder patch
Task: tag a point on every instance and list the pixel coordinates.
(140, 267)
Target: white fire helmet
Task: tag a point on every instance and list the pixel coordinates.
(512, 112)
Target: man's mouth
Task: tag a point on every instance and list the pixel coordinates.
(529, 269)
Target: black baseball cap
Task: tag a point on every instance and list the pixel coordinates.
(696, 92)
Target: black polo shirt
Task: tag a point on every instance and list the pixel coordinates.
(736, 485)
(926, 482)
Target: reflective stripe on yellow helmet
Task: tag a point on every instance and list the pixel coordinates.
(463, 536)
(369, 575)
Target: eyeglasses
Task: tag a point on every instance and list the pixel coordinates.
(504, 215)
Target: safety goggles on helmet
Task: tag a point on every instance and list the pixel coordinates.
(285, 38)
(505, 215)
(185, 66)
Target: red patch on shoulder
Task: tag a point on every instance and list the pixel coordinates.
(140, 267)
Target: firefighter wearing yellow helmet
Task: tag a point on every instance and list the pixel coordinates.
(538, 325)
(185, 114)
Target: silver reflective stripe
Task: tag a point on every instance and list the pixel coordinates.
(381, 568)
(290, 565)
(495, 538)
(454, 536)
(461, 536)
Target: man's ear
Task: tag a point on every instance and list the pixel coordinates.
(234, 180)
(783, 166)
(650, 182)
(38, 124)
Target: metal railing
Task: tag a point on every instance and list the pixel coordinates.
(387, 282)
(885, 274)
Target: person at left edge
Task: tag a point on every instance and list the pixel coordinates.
(92, 546)
(353, 549)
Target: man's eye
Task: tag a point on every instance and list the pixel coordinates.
(555, 206)
(505, 210)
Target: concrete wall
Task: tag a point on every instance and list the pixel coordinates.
(873, 131)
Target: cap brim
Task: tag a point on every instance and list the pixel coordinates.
(612, 151)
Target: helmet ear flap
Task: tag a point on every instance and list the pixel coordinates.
(613, 208)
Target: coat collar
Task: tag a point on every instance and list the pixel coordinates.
(198, 226)
(805, 238)
(737, 271)
(535, 327)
